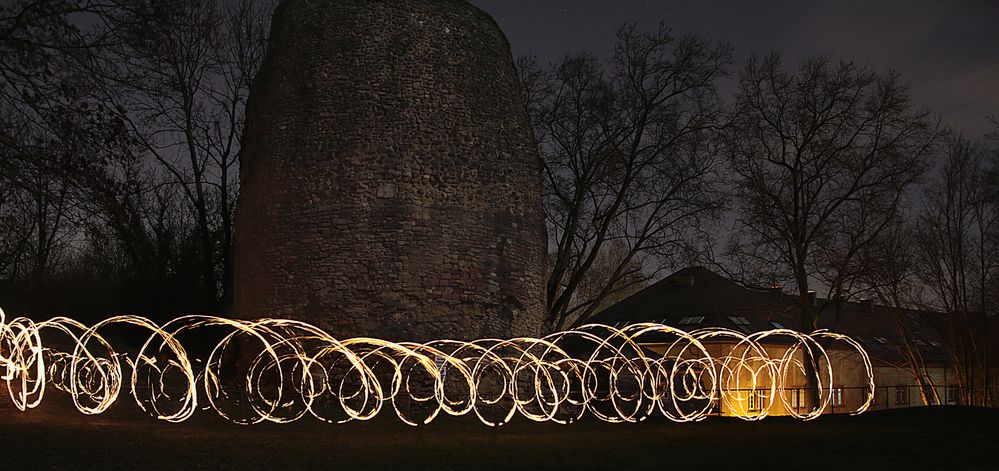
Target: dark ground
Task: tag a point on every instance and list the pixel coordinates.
(918, 438)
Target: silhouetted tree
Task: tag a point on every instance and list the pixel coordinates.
(628, 160)
(179, 74)
(632, 278)
(821, 156)
(130, 127)
(53, 131)
(14, 234)
(959, 258)
(891, 275)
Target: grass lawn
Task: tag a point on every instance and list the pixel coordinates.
(917, 438)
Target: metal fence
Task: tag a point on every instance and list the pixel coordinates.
(845, 399)
(909, 395)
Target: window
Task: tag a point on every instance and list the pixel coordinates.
(739, 320)
(756, 399)
(836, 398)
(881, 340)
(777, 325)
(795, 401)
(901, 395)
(692, 320)
(953, 393)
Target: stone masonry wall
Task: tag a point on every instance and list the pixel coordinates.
(390, 186)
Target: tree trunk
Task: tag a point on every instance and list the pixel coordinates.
(809, 323)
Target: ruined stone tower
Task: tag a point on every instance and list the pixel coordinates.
(390, 186)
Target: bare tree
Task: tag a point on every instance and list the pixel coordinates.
(821, 156)
(40, 47)
(628, 160)
(990, 283)
(14, 233)
(135, 111)
(54, 131)
(631, 280)
(959, 258)
(891, 274)
(179, 75)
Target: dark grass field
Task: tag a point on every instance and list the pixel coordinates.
(919, 438)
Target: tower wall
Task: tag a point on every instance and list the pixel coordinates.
(389, 182)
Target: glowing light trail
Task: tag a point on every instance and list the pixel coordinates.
(282, 370)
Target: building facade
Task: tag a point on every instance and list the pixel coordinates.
(696, 298)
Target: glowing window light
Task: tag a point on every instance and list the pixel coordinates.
(757, 399)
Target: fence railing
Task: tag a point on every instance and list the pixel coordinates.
(845, 399)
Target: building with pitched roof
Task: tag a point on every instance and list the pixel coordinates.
(696, 298)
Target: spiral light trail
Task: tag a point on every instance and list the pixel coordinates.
(282, 370)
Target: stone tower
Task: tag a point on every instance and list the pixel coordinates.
(390, 185)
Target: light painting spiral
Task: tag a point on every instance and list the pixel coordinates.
(283, 370)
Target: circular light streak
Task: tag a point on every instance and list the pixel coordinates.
(279, 370)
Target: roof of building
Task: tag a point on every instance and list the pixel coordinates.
(696, 297)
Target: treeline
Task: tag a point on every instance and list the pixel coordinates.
(818, 176)
(120, 125)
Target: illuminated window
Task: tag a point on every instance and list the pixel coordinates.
(757, 399)
(837, 397)
(901, 395)
(692, 320)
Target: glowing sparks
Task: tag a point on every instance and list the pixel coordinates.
(282, 370)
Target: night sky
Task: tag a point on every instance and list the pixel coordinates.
(948, 51)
